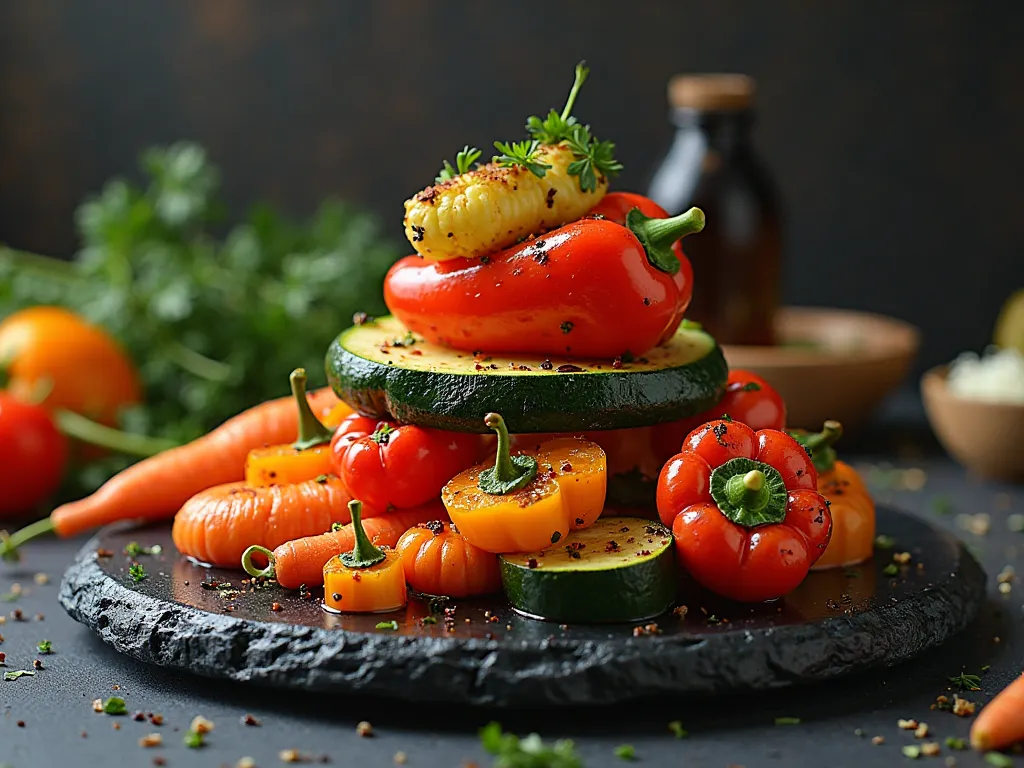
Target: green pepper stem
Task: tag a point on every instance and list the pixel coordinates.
(88, 431)
(581, 76)
(831, 431)
(270, 572)
(747, 490)
(9, 544)
(504, 471)
(311, 431)
(364, 553)
(509, 473)
(657, 236)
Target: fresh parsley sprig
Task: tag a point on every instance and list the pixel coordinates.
(522, 153)
(528, 752)
(464, 161)
(556, 126)
(593, 158)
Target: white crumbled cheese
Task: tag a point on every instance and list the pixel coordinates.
(996, 377)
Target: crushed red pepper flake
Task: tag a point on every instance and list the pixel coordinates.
(248, 719)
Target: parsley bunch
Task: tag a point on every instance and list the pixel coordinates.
(213, 323)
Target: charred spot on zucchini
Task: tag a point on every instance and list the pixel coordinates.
(620, 569)
(420, 383)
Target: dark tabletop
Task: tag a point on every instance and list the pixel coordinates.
(48, 719)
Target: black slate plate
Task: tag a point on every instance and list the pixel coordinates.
(835, 623)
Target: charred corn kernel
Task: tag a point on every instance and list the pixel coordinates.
(368, 579)
(580, 468)
(493, 207)
(284, 465)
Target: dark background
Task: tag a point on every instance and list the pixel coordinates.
(893, 128)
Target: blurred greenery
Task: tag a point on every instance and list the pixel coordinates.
(214, 324)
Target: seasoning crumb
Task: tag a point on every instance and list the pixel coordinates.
(901, 557)
(117, 726)
(912, 751)
(201, 725)
(97, 705)
(1006, 575)
(159, 760)
(921, 731)
(248, 719)
(275, 607)
(907, 725)
(21, 723)
(245, 762)
(1015, 523)
(1005, 588)
(41, 579)
(37, 664)
(680, 611)
(400, 758)
(151, 740)
(156, 719)
(963, 707)
(878, 740)
(364, 729)
(290, 756)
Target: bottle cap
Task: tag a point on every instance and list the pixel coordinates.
(711, 92)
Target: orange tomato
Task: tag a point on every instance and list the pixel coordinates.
(853, 517)
(84, 369)
(438, 560)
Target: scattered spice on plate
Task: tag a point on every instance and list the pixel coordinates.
(921, 731)
(156, 719)
(151, 740)
(963, 707)
(97, 705)
(45, 646)
(930, 749)
(201, 725)
(400, 758)
(41, 579)
(878, 740)
(248, 719)
(139, 716)
(158, 761)
(364, 729)
(245, 762)
(901, 557)
(907, 725)
(37, 664)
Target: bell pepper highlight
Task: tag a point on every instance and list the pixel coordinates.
(367, 579)
(557, 291)
(747, 520)
(580, 467)
(305, 459)
(852, 508)
(509, 506)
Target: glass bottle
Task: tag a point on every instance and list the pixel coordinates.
(711, 164)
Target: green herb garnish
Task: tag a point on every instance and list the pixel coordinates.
(891, 570)
(625, 752)
(136, 572)
(998, 759)
(133, 549)
(193, 739)
(942, 505)
(966, 682)
(954, 743)
(884, 542)
(392, 625)
(912, 751)
(15, 674)
(115, 705)
(787, 721)
(528, 752)
(593, 158)
(677, 730)
(556, 126)
(45, 646)
(463, 162)
(522, 153)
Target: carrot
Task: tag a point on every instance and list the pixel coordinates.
(156, 487)
(216, 525)
(302, 561)
(1001, 722)
(439, 561)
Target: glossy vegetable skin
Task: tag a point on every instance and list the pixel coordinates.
(217, 525)
(852, 508)
(387, 464)
(592, 288)
(366, 579)
(438, 560)
(748, 399)
(33, 454)
(747, 518)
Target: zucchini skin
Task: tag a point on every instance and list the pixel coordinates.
(560, 402)
(635, 593)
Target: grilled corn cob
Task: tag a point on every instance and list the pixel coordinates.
(493, 207)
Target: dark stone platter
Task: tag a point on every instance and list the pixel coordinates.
(207, 621)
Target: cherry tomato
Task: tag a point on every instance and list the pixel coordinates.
(386, 464)
(32, 456)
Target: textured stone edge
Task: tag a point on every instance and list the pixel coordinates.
(508, 673)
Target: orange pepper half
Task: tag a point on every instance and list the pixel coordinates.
(368, 579)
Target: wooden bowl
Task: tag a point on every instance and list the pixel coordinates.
(983, 436)
(831, 363)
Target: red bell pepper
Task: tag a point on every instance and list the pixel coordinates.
(748, 399)
(596, 287)
(385, 464)
(747, 518)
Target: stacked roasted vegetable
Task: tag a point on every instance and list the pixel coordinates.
(535, 360)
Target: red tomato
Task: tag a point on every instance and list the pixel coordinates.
(385, 464)
(32, 455)
(748, 399)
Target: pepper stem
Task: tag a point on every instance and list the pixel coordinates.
(657, 236)
(270, 572)
(509, 473)
(364, 553)
(88, 431)
(581, 76)
(311, 431)
(819, 444)
(747, 490)
(749, 493)
(9, 543)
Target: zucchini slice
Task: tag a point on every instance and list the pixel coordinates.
(620, 569)
(382, 370)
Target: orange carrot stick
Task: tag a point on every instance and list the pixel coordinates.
(302, 561)
(156, 487)
(216, 525)
(1001, 722)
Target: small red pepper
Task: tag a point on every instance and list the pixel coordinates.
(747, 518)
(748, 399)
(385, 464)
(597, 287)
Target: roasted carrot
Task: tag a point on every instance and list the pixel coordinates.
(438, 560)
(156, 487)
(216, 525)
(1001, 722)
(302, 561)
